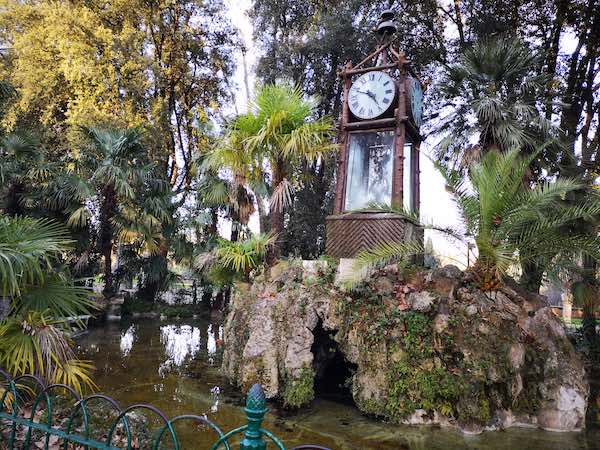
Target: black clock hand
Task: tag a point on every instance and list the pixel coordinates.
(370, 95)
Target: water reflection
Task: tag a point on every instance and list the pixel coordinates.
(215, 393)
(214, 341)
(211, 343)
(180, 342)
(127, 340)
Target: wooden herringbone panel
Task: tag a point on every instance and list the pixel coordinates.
(350, 234)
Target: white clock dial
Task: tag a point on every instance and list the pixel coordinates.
(371, 95)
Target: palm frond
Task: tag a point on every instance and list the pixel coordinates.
(27, 249)
(22, 145)
(36, 344)
(55, 295)
(379, 256)
(282, 196)
(245, 256)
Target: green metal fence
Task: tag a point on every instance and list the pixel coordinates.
(34, 415)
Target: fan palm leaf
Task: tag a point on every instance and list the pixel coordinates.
(28, 249)
(492, 95)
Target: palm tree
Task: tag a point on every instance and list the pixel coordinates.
(490, 100)
(228, 261)
(20, 155)
(278, 129)
(509, 222)
(34, 334)
(114, 178)
(233, 196)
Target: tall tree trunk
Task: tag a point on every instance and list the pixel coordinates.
(277, 215)
(245, 67)
(459, 22)
(263, 217)
(107, 212)
(214, 221)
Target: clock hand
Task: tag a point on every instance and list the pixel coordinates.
(369, 94)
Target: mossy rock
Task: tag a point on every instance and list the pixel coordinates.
(300, 391)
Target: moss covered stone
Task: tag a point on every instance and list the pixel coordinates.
(300, 391)
(468, 359)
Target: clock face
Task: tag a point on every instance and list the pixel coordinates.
(371, 95)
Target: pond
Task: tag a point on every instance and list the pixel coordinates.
(174, 365)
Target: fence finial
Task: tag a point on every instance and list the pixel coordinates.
(256, 408)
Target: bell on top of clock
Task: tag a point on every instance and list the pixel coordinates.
(379, 149)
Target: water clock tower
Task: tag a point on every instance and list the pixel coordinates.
(379, 149)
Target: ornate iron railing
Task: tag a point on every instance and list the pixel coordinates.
(33, 416)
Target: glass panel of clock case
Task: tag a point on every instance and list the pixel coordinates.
(370, 163)
(407, 177)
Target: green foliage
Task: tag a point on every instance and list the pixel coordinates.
(28, 249)
(382, 255)
(183, 312)
(299, 391)
(277, 128)
(510, 223)
(117, 186)
(36, 344)
(418, 331)
(34, 335)
(513, 224)
(414, 387)
(133, 304)
(475, 405)
(76, 65)
(498, 83)
(415, 381)
(77, 75)
(133, 197)
(240, 258)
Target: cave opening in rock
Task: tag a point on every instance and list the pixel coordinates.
(333, 373)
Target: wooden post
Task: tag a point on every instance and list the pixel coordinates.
(340, 189)
(398, 168)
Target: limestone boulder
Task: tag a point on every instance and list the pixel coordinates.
(420, 347)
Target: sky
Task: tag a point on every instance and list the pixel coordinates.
(437, 206)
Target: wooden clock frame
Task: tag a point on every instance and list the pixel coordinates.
(349, 233)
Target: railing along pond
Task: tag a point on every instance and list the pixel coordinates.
(27, 420)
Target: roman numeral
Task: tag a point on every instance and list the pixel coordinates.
(389, 91)
(370, 112)
(355, 105)
(371, 76)
(386, 83)
(362, 110)
(386, 100)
